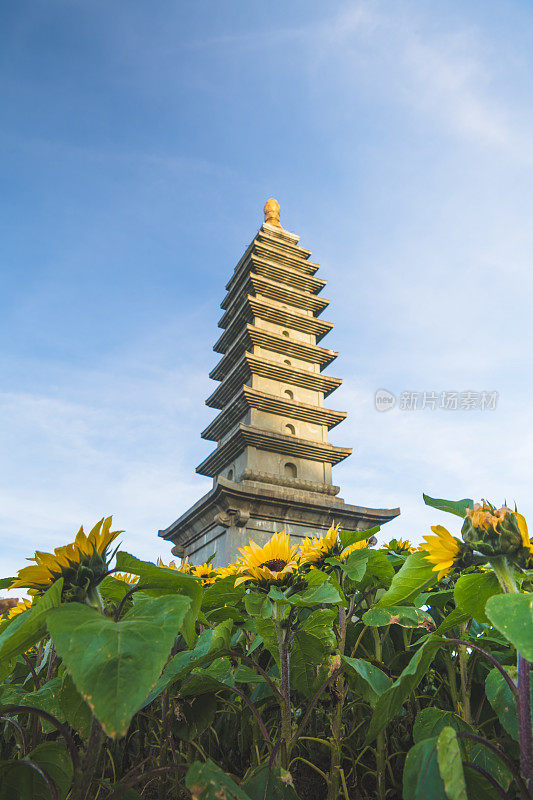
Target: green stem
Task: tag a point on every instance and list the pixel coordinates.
(283, 635)
(94, 599)
(336, 724)
(452, 681)
(505, 573)
(463, 659)
(83, 777)
(381, 742)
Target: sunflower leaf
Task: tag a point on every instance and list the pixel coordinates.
(512, 614)
(472, 592)
(161, 580)
(457, 507)
(30, 626)
(391, 701)
(450, 765)
(114, 665)
(415, 575)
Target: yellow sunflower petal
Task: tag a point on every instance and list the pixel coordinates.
(441, 550)
(522, 526)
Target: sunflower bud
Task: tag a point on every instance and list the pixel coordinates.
(497, 532)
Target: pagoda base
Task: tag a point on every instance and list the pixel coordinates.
(233, 512)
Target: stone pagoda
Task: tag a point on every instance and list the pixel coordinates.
(271, 467)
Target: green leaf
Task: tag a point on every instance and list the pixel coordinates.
(457, 507)
(206, 781)
(11, 695)
(267, 631)
(365, 678)
(308, 653)
(502, 701)
(270, 784)
(320, 623)
(453, 620)
(114, 665)
(512, 614)
(222, 593)
(258, 605)
(478, 786)
(222, 636)
(379, 567)
(350, 537)
(161, 580)
(29, 627)
(355, 565)
(472, 592)
(391, 701)
(245, 674)
(219, 675)
(451, 765)
(400, 615)
(5, 583)
(316, 595)
(415, 575)
(421, 776)
(75, 710)
(181, 665)
(47, 699)
(22, 782)
(431, 721)
(113, 589)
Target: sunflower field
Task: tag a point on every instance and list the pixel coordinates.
(336, 669)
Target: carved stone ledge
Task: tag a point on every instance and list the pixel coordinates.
(290, 483)
(232, 518)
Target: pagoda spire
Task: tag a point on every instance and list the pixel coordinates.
(272, 465)
(272, 212)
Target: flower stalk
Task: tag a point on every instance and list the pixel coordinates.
(506, 575)
(283, 637)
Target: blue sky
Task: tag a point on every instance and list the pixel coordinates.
(139, 143)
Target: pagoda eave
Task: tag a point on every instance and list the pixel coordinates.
(277, 272)
(252, 336)
(248, 398)
(256, 285)
(250, 364)
(272, 441)
(229, 502)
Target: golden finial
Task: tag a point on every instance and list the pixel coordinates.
(272, 212)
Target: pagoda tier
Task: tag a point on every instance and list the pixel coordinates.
(272, 426)
(253, 337)
(249, 398)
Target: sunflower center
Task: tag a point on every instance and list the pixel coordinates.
(275, 564)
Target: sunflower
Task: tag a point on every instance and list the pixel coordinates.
(352, 548)
(206, 572)
(19, 608)
(227, 572)
(442, 550)
(315, 548)
(400, 546)
(82, 564)
(272, 563)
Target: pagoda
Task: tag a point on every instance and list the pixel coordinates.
(272, 465)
